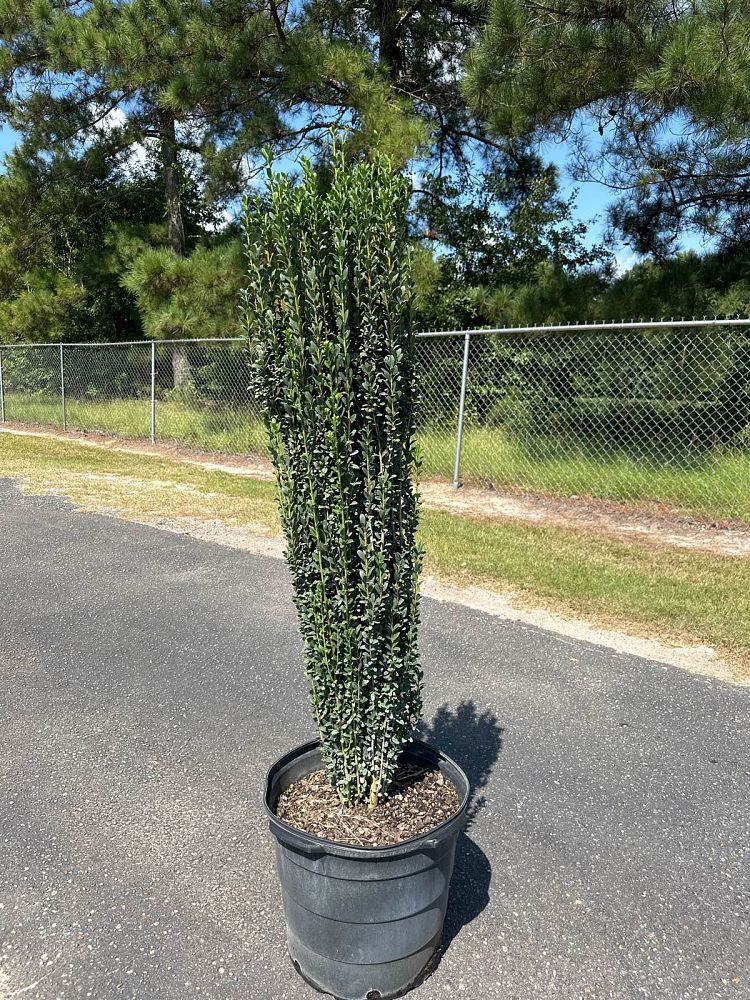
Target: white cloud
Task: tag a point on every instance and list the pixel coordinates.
(625, 260)
(137, 153)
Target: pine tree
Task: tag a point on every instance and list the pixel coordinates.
(656, 97)
(198, 86)
(184, 82)
(59, 275)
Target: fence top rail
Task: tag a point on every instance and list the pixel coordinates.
(632, 324)
(124, 343)
(639, 324)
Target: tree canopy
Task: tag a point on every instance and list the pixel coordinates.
(655, 93)
(141, 122)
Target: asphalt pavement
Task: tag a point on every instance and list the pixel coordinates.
(149, 679)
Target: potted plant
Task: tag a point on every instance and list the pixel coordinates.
(365, 818)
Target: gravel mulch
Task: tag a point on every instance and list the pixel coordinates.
(420, 800)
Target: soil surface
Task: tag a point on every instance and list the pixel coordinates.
(420, 801)
(643, 521)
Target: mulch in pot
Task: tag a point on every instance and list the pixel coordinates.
(420, 800)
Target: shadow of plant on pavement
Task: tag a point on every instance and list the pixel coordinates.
(474, 740)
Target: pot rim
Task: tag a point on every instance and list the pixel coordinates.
(430, 838)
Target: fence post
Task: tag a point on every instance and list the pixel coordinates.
(62, 389)
(153, 392)
(461, 405)
(2, 390)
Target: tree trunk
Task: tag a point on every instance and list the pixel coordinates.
(175, 228)
(180, 366)
(171, 174)
(389, 49)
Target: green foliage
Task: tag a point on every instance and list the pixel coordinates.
(196, 88)
(42, 310)
(95, 90)
(187, 297)
(687, 285)
(97, 243)
(392, 67)
(328, 315)
(58, 279)
(508, 246)
(663, 90)
(442, 300)
(505, 223)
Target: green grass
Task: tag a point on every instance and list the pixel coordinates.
(137, 485)
(659, 591)
(715, 486)
(222, 429)
(668, 592)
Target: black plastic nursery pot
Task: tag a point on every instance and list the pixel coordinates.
(364, 923)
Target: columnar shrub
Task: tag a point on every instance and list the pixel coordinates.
(327, 311)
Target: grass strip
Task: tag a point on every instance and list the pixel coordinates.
(711, 484)
(661, 592)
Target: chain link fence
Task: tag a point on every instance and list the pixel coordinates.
(638, 412)
(190, 392)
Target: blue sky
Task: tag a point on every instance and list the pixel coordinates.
(7, 138)
(591, 204)
(592, 199)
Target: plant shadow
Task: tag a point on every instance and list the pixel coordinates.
(474, 740)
